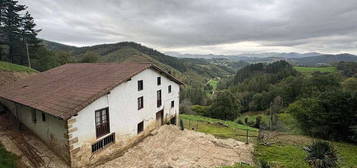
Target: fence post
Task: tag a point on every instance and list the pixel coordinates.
(247, 137)
(197, 125)
(189, 124)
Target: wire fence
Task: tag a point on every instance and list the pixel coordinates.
(222, 130)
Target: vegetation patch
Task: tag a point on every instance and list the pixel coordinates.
(308, 70)
(5, 66)
(219, 128)
(7, 159)
(288, 152)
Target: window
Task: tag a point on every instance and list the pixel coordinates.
(140, 85)
(159, 102)
(158, 80)
(140, 127)
(34, 119)
(102, 122)
(172, 104)
(104, 142)
(169, 88)
(43, 117)
(140, 102)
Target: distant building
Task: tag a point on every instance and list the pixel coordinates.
(89, 112)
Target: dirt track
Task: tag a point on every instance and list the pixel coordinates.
(170, 147)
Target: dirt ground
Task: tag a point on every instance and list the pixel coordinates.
(171, 147)
(32, 152)
(6, 77)
(167, 147)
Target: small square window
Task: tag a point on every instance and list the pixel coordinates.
(140, 102)
(158, 80)
(140, 85)
(43, 117)
(169, 88)
(140, 127)
(34, 119)
(172, 104)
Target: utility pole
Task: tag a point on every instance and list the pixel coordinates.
(27, 53)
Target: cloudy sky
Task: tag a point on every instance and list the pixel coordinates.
(203, 26)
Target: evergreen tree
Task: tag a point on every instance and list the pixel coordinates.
(19, 29)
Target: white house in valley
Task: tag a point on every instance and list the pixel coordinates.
(88, 113)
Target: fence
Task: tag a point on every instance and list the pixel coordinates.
(222, 130)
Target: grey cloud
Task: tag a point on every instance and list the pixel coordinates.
(187, 23)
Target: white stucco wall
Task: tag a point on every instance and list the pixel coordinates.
(123, 110)
(52, 131)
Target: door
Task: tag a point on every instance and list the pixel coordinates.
(159, 118)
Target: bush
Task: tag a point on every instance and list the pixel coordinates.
(201, 110)
(321, 155)
(258, 121)
(225, 106)
(328, 116)
(263, 164)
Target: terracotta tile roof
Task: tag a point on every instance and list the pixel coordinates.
(65, 90)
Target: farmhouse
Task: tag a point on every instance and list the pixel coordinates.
(87, 113)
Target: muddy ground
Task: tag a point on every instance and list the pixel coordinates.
(171, 147)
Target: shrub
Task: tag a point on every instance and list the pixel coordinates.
(258, 121)
(263, 164)
(321, 155)
(201, 110)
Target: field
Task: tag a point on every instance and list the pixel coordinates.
(5, 66)
(309, 70)
(220, 128)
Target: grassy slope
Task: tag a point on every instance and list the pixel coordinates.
(309, 70)
(291, 155)
(211, 126)
(288, 150)
(7, 159)
(5, 66)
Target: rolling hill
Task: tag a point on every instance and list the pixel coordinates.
(324, 59)
(186, 69)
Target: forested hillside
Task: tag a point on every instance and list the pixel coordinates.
(324, 59)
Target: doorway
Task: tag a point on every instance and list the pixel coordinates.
(159, 118)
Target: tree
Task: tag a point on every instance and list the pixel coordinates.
(328, 116)
(63, 57)
(225, 106)
(44, 59)
(350, 84)
(90, 57)
(19, 29)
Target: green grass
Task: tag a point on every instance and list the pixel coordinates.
(288, 156)
(286, 121)
(309, 70)
(288, 152)
(213, 83)
(7, 159)
(5, 66)
(230, 124)
(212, 126)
